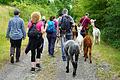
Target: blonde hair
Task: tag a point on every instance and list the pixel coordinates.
(35, 17)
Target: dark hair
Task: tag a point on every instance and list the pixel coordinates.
(51, 18)
(60, 14)
(87, 14)
(16, 12)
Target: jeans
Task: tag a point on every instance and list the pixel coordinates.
(51, 42)
(64, 38)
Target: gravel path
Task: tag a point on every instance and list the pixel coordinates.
(18, 71)
(85, 70)
(21, 70)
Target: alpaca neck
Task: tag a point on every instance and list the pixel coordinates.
(79, 33)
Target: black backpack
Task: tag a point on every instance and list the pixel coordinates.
(65, 23)
(34, 33)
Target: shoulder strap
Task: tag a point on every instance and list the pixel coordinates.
(32, 25)
(83, 21)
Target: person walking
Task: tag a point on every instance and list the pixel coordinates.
(66, 30)
(51, 36)
(85, 21)
(15, 32)
(35, 32)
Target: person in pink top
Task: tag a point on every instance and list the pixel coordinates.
(85, 21)
(35, 43)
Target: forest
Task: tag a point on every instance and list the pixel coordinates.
(106, 13)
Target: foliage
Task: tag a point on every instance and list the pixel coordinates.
(107, 14)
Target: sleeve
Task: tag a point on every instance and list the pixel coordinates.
(8, 29)
(81, 19)
(71, 19)
(89, 21)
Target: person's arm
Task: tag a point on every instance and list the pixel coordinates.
(23, 29)
(8, 29)
(81, 20)
(43, 29)
(72, 21)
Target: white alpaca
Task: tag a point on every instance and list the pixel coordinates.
(96, 35)
(93, 22)
(96, 32)
(79, 39)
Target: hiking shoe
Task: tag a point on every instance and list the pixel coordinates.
(64, 58)
(32, 69)
(17, 60)
(12, 59)
(51, 55)
(38, 65)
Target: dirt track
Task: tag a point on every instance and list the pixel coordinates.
(21, 70)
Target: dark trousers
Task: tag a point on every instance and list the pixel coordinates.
(36, 53)
(15, 44)
(51, 42)
(36, 47)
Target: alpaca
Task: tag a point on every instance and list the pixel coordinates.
(79, 39)
(92, 22)
(96, 35)
(71, 48)
(87, 47)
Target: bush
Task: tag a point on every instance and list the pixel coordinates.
(27, 8)
(111, 36)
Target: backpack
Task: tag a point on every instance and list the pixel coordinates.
(51, 27)
(65, 23)
(33, 32)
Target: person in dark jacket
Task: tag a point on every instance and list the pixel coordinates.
(35, 44)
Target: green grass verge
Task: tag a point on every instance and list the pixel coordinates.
(106, 55)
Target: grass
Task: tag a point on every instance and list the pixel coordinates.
(4, 44)
(104, 54)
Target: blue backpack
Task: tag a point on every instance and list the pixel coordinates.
(51, 27)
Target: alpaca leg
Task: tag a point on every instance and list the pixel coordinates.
(82, 47)
(75, 65)
(67, 67)
(94, 40)
(90, 55)
(85, 53)
(99, 39)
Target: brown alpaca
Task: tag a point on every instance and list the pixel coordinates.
(87, 47)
